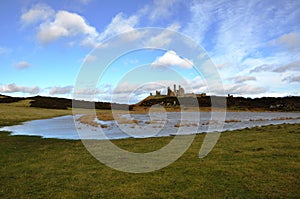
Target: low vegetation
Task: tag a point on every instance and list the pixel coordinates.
(262, 162)
(15, 113)
(185, 124)
(289, 103)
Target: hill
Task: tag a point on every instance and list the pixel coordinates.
(60, 103)
(290, 103)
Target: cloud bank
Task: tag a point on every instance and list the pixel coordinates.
(13, 88)
(61, 90)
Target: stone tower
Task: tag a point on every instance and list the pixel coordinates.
(174, 89)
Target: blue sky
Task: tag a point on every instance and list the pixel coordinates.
(254, 45)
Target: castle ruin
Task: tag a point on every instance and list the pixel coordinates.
(175, 92)
(180, 92)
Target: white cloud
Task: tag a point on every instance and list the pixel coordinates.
(170, 58)
(244, 89)
(262, 68)
(241, 79)
(89, 42)
(290, 40)
(162, 39)
(293, 66)
(125, 88)
(90, 58)
(235, 32)
(222, 65)
(84, 1)
(38, 13)
(162, 9)
(88, 91)
(238, 33)
(119, 24)
(137, 89)
(61, 90)
(293, 78)
(22, 65)
(55, 25)
(13, 88)
(200, 20)
(66, 24)
(196, 85)
(127, 92)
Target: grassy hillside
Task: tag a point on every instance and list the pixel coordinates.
(291, 103)
(232, 103)
(14, 113)
(59, 103)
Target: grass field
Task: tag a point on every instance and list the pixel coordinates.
(15, 113)
(263, 162)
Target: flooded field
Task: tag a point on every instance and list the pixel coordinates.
(145, 125)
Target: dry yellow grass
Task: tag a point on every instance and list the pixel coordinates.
(89, 120)
(14, 113)
(185, 124)
(22, 103)
(232, 120)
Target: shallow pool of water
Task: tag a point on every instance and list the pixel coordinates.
(155, 125)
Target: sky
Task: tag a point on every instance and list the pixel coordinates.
(253, 45)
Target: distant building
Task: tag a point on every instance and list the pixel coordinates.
(170, 92)
(180, 92)
(175, 92)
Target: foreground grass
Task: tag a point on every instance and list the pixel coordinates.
(262, 162)
(15, 113)
(251, 163)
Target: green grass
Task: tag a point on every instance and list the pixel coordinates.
(15, 113)
(263, 162)
(251, 163)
